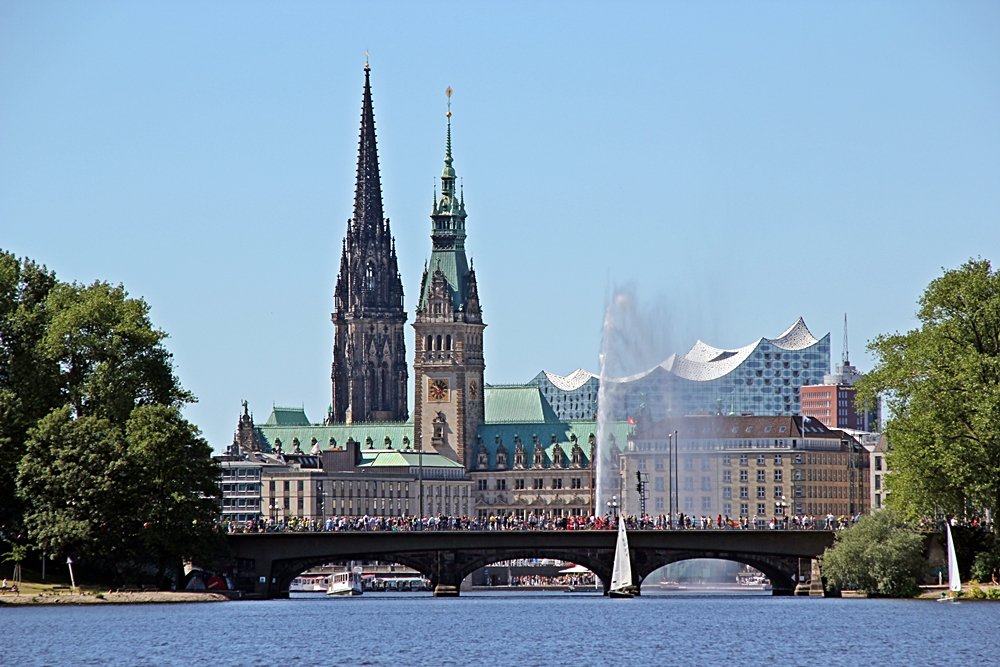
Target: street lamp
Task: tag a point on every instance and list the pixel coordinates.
(783, 507)
(613, 506)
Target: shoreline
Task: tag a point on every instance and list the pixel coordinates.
(110, 597)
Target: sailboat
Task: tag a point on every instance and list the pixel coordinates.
(954, 578)
(621, 572)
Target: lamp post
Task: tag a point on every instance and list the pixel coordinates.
(613, 506)
(670, 480)
(72, 579)
(782, 509)
(420, 483)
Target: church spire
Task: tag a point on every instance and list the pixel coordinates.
(369, 370)
(368, 186)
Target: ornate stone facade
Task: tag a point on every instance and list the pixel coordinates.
(449, 366)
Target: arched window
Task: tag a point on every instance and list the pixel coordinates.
(437, 343)
(430, 344)
(384, 388)
(447, 342)
(370, 277)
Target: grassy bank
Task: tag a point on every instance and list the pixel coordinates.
(36, 593)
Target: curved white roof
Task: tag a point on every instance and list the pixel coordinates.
(574, 380)
(704, 362)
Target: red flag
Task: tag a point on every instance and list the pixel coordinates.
(631, 420)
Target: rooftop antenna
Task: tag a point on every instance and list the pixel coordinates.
(844, 359)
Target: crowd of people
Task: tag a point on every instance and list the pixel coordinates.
(509, 522)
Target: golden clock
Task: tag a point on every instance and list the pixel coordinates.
(437, 390)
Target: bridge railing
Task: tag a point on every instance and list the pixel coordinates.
(511, 523)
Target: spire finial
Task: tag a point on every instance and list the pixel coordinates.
(367, 66)
(447, 153)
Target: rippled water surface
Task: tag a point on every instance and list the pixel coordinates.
(508, 629)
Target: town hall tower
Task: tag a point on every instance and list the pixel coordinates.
(448, 365)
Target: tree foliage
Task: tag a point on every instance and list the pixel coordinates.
(96, 460)
(29, 386)
(941, 383)
(879, 555)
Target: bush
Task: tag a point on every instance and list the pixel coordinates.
(974, 591)
(986, 566)
(879, 555)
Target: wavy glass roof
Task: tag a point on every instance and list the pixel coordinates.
(574, 380)
(703, 362)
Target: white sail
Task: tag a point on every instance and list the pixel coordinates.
(954, 578)
(621, 573)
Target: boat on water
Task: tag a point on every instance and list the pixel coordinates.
(621, 572)
(347, 582)
(954, 577)
(308, 584)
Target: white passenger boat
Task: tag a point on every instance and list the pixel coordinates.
(308, 584)
(347, 582)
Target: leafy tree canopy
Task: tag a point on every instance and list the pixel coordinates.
(95, 458)
(879, 555)
(941, 383)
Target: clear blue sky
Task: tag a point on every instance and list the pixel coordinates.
(708, 154)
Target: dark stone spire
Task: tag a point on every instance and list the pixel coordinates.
(368, 186)
(369, 370)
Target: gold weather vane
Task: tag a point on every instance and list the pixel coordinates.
(448, 91)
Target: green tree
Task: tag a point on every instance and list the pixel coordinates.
(96, 460)
(879, 555)
(74, 482)
(29, 384)
(941, 383)
(175, 483)
(111, 357)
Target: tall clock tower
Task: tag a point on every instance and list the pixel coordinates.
(449, 364)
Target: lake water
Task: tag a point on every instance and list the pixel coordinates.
(521, 629)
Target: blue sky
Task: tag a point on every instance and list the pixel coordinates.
(737, 164)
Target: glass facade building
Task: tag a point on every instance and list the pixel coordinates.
(762, 378)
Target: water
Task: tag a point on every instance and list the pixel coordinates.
(507, 629)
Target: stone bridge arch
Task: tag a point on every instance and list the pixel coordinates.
(597, 561)
(284, 571)
(782, 571)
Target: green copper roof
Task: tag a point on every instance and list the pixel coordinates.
(376, 431)
(287, 417)
(518, 403)
(409, 458)
(562, 430)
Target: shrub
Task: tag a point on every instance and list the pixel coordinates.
(974, 591)
(879, 555)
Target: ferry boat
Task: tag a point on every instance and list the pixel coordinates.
(308, 584)
(347, 582)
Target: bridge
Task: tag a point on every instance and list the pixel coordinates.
(266, 563)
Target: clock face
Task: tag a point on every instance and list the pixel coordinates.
(437, 390)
